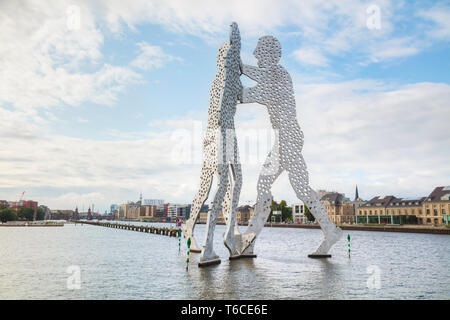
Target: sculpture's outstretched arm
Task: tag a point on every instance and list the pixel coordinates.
(250, 95)
(252, 72)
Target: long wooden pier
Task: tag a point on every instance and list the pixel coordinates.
(161, 231)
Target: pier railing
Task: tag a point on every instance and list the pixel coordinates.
(155, 230)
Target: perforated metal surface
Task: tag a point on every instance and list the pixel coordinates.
(220, 151)
(274, 90)
(221, 158)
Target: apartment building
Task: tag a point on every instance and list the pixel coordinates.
(243, 214)
(339, 210)
(436, 207)
(431, 210)
(298, 213)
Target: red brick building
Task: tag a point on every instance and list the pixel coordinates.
(25, 204)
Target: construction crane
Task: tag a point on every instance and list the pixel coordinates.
(21, 198)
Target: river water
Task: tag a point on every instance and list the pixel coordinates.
(36, 263)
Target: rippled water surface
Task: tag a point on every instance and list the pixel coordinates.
(121, 264)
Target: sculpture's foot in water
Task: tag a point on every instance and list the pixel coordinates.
(319, 256)
(242, 256)
(208, 258)
(230, 239)
(331, 236)
(187, 233)
(209, 263)
(247, 245)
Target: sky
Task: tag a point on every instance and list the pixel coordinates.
(103, 100)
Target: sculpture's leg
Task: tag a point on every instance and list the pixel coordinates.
(298, 177)
(199, 200)
(270, 172)
(237, 173)
(226, 203)
(232, 235)
(208, 256)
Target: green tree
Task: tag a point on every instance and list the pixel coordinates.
(40, 214)
(286, 212)
(7, 214)
(273, 207)
(308, 214)
(26, 214)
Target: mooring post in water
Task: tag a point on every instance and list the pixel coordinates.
(188, 253)
(348, 238)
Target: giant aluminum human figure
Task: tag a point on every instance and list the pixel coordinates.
(274, 90)
(220, 153)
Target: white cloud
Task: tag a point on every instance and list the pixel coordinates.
(82, 120)
(331, 26)
(386, 139)
(394, 48)
(310, 56)
(151, 57)
(440, 16)
(356, 134)
(44, 63)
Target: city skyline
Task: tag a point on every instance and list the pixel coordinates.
(103, 101)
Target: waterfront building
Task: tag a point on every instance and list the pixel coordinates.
(321, 193)
(436, 207)
(61, 214)
(339, 210)
(431, 210)
(147, 211)
(131, 210)
(47, 211)
(152, 202)
(162, 210)
(298, 213)
(17, 205)
(184, 211)
(243, 214)
(113, 208)
(203, 216)
(374, 210)
(172, 211)
(122, 211)
(390, 210)
(405, 210)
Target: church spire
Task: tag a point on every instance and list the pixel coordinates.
(356, 193)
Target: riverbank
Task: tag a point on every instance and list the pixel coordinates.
(31, 224)
(357, 227)
(408, 229)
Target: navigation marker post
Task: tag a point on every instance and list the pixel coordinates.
(188, 252)
(178, 223)
(348, 238)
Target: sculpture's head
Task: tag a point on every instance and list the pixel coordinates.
(235, 36)
(268, 51)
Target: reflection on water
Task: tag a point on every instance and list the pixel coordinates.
(121, 264)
